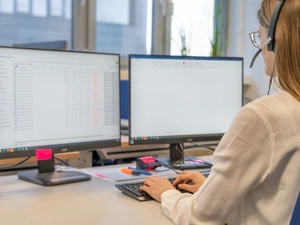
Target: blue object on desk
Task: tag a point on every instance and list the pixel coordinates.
(141, 171)
(124, 98)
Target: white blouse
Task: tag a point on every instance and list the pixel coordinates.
(255, 179)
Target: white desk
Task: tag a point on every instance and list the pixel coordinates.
(84, 203)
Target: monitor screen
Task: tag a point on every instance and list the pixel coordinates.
(176, 99)
(63, 100)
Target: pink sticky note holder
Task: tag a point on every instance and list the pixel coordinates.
(45, 160)
(43, 154)
(146, 163)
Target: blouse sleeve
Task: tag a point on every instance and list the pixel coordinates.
(241, 163)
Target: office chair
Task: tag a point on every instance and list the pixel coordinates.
(124, 99)
(295, 220)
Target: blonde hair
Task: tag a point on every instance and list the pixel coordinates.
(287, 43)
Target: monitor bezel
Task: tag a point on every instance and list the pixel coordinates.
(67, 147)
(179, 138)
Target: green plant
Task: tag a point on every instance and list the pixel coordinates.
(183, 45)
(217, 46)
(184, 49)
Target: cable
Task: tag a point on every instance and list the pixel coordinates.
(24, 160)
(168, 166)
(270, 83)
(13, 165)
(271, 78)
(62, 161)
(204, 146)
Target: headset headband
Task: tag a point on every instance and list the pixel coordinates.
(273, 23)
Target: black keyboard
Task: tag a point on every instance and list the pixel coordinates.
(132, 189)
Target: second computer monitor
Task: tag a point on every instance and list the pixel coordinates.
(176, 99)
(55, 102)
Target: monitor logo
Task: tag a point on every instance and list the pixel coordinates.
(64, 149)
(190, 139)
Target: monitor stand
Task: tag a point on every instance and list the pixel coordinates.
(46, 175)
(177, 160)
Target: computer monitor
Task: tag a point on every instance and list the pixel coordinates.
(55, 101)
(177, 99)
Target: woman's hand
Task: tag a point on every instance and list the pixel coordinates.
(189, 181)
(155, 186)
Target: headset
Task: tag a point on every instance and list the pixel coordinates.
(271, 33)
(271, 36)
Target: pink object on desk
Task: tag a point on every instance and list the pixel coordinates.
(43, 154)
(146, 163)
(99, 175)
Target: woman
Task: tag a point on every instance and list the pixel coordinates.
(256, 174)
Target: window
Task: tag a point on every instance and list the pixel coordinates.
(39, 8)
(56, 8)
(23, 6)
(7, 6)
(121, 14)
(124, 26)
(192, 27)
(30, 21)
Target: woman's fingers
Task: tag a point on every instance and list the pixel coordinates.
(184, 177)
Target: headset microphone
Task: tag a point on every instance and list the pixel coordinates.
(259, 51)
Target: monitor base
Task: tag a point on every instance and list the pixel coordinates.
(187, 163)
(52, 178)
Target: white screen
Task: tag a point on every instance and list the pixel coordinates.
(176, 96)
(57, 97)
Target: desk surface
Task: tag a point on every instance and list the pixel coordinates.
(90, 202)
